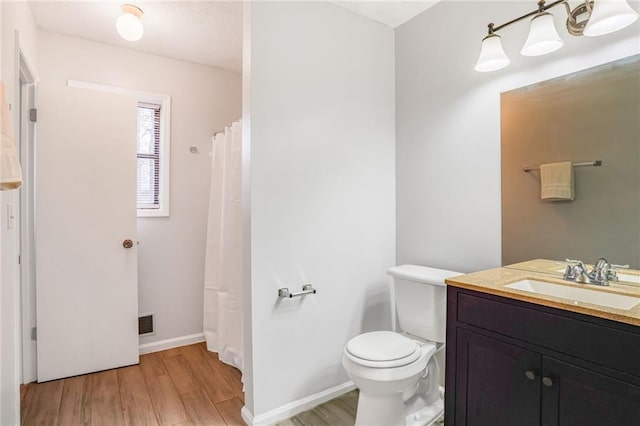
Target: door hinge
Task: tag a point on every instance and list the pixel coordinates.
(33, 115)
(19, 259)
(34, 333)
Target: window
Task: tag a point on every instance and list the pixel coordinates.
(152, 192)
(153, 147)
(148, 182)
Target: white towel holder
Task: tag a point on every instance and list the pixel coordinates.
(306, 289)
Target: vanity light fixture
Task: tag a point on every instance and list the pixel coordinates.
(608, 16)
(543, 37)
(492, 56)
(591, 18)
(128, 24)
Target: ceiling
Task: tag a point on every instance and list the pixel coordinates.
(205, 32)
(392, 13)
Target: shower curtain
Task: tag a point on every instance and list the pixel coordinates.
(223, 262)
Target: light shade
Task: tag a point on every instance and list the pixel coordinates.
(543, 37)
(128, 24)
(609, 16)
(492, 56)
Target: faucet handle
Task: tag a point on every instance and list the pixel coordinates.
(619, 266)
(612, 270)
(611, 274)
(576, 271)
(578, 263)
(569, 273)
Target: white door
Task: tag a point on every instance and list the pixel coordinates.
(87, 294)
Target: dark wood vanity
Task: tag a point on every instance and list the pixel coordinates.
(516, 363)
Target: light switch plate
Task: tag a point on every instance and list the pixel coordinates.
(11, 216)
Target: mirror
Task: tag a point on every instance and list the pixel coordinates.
(592, 115)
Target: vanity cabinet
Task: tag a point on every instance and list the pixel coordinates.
(516, 363)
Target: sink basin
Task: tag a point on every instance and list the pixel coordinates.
(577, 294)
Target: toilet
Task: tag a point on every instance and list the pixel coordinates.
(397, 372)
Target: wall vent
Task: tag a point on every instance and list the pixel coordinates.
(145, 324)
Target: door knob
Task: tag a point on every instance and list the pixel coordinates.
(530, 374)
(127, 244)
(547, 381)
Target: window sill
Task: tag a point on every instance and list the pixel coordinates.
(153, 213)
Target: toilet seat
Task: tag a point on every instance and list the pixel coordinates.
(383, 349)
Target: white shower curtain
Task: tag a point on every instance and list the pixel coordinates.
(223, 262)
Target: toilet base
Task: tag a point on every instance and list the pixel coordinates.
(387, 410)
(426, 405)
(427, 415)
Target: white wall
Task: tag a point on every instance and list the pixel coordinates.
(16, 16)
(204, 100)
(322, 192)
(448, 125)
(2, 343)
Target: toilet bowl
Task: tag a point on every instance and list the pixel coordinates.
(397, 372)
(386, 367)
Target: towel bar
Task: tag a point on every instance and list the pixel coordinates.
(595, 163)
(306, 289)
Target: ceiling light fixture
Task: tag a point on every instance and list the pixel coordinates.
(128, 24)
(591, 18)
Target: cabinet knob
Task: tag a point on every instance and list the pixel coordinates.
(127, 244)
(547, 381)
(530, 374)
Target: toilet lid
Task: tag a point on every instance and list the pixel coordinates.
(380, 346)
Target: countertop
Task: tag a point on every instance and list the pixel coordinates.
(493, 281)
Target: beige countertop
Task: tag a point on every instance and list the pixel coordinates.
(493, 281)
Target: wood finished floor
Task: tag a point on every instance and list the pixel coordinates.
(181, 386)
(340, 411)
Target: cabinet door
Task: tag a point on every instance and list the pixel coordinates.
(496, 383)
(574, 396)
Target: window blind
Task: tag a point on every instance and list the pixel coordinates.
(148, 175)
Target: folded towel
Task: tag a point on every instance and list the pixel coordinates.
(556, 181)
(10, 171)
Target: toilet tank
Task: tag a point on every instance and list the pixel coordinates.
(421, 300)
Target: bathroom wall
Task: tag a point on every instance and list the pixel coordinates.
(321, 117)
(448, 125)
(204, 100)
(3, 344)
(16, 16)
(10, 391)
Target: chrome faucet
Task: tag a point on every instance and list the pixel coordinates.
(576, 271)
(601, 274)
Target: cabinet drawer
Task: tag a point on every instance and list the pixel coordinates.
(599, 344)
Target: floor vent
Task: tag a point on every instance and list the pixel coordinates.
(145, 324)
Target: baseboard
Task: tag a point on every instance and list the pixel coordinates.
(295, 407)
(174, 342)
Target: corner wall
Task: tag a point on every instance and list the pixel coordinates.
(2, 344)
(16, 16)
(204, 99)
(448, 125)
(322, 195)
